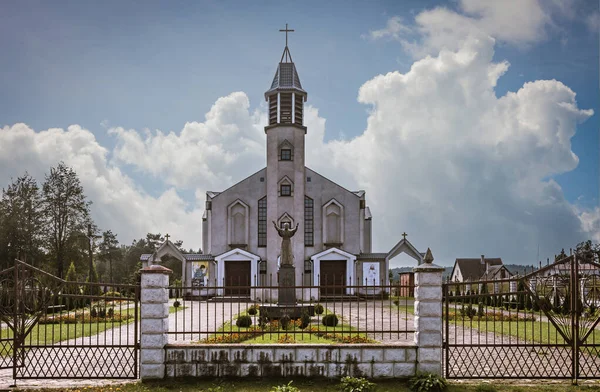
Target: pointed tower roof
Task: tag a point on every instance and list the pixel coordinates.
(286, 76)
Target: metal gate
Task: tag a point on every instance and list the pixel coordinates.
(541, 325)
(52, 328)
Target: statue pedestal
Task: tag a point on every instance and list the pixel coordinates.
(287, 285)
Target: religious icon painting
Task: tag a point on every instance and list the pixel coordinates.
(200, 273)
(371, 274)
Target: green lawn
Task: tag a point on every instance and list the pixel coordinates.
(54, 333)
(316, 385)
(314, 333)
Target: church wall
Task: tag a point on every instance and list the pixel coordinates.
(322, 190)
(278, 205)
(249, 190)
(368, 237)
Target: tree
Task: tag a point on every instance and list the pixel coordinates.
(66, 211)
(588, 252)
(109, 251)
(71, 289)
(521, 295)
(20, 221)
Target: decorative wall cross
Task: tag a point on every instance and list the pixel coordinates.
(404, 235)
(167, 236)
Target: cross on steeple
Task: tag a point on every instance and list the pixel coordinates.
(404, 235)
(286, 34)
(167, 236)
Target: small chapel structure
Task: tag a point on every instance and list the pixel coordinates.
(333, 244)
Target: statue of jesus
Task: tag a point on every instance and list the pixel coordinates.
(286, 248)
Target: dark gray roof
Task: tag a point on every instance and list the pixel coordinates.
(286, 76)
(190, 257)
(371, 256)
(198, 257)
(474, 269)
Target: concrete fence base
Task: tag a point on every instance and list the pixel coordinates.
(284, 360)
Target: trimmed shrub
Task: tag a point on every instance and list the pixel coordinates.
(330, 320)
(243, 321)
(304, 320)
(319, 309)
(285, 322)
(253, 310)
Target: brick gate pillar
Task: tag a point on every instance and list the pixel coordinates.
(154, 321)
(428, 315)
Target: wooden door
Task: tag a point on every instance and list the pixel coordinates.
(333, 277)
(237, 277)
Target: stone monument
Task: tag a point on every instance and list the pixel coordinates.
(287, 305)
(287, 271)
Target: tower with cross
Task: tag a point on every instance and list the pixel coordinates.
(333, 242)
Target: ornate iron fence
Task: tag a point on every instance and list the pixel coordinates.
(541, 325)
(344, 312)
(51, 328)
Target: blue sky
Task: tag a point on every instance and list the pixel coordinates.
(157, 65)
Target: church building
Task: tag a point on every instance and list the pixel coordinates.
(333, 244)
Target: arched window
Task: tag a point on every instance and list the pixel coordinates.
(333, 223)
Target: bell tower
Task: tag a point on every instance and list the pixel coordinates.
(285, 159)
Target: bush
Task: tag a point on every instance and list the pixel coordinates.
(244, 321)
(397, 302)
(253, 310)
(330, 320)
(304, 320)
(102, 313)
(319, 309)
(94, 312)
(353, 384)
(427, 382)
(111, 312)
(285, 322)
(480, 310)
(285, 388)
(176, 304)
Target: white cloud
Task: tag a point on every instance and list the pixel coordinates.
(462, 170)
(395, 28)
(592, 22)
(118, 203)
(516, 22)
(210, 155)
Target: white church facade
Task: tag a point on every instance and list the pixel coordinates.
(333, 244)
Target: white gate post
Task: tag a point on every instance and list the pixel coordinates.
(154, 321)
(428, 315)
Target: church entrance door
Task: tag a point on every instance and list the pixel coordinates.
(332, 277)
(237, 277)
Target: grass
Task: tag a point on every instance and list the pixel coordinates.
(532, 331)
(53, 333)
(271, 334)
(314, 385)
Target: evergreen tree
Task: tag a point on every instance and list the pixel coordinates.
(521, 295)
(65, 209)
(20, 222)
(109, 251)
(71, 289)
